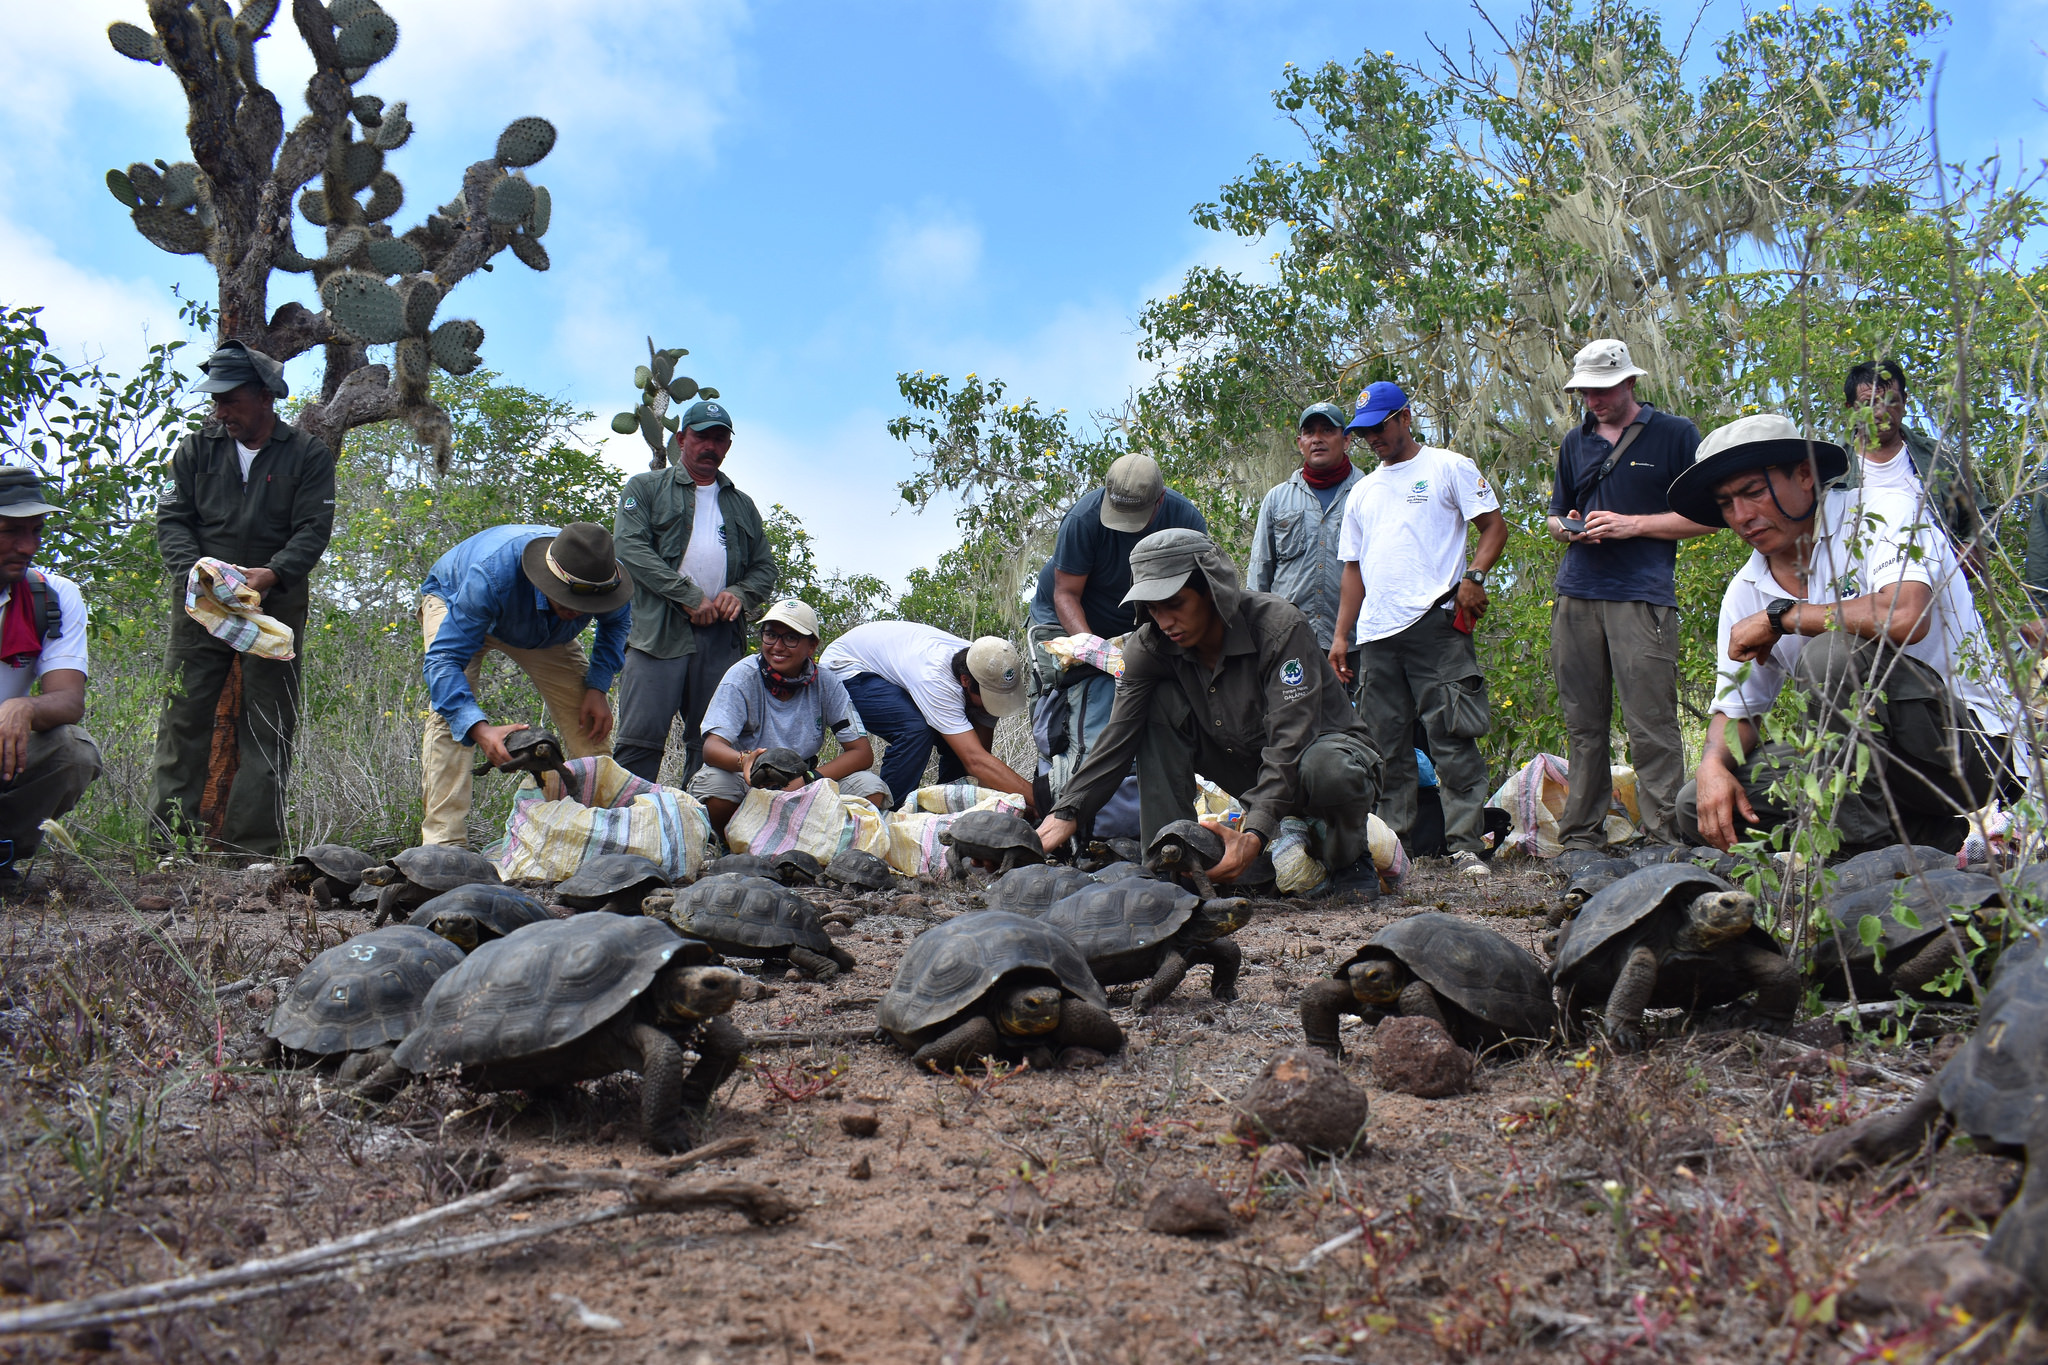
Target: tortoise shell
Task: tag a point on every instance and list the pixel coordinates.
(539, 988)
(951, 966)
(499, 908)
(1656, 855)
(858, 869)
(1478, 970)
(1996, 1086)
(598, 879)
(1118, 872)
(795, 868)
(1185, 844)
(989, 834)
(1122, 917)
(363, 993)
(1887, 864)
(533, 751)
(749, 913)
(1034, 888)
(443, 867)
(1614, 910)
(776, 768)
(739, 865)
(1595, 877)
(1931, 896)
(336, 861)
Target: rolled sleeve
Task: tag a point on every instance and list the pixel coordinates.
(608, 651)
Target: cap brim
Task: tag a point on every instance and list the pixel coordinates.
(1156, 589)
(1000, 704)
(1127, 521)
(1692, 493)
(1582, 380)
(28, 509)
(709, 426)
(1371, 419)
(226, 383)
(534, 560)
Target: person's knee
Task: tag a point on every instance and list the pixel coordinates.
(1335, 775)
(1828, 662)
(869, 787)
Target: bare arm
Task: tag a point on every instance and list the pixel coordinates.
(1722, 800)
(1350, 597)
(856, 756)
(1066, 602)
(62, 703)
(1901, 613)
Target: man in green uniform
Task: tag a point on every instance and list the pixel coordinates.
(1234, 685)
(257, 493)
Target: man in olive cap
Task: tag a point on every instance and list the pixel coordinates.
(46, 760)
(700, 561)
(526, 592)
(255, 492)
(1235, 685)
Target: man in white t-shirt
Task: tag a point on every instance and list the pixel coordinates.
(700, 561)
(46, 760)
(1855, 598)
(917, 687)
(1408, 605)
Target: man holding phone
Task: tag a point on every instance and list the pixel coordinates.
(1615, 625)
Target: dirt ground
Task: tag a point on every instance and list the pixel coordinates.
(1604, 1208)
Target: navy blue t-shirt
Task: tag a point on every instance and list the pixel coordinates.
(1086, 546)
(1042, 613)
(1638, 570)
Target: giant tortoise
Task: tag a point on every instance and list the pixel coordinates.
(1909, 951)
(996, 985)
(414, 877)
(614, 882)
(1153, 931)
(993, 838)
(753, 917)
(1482, 988)
(1035, 888)
(477, 913)
(358, 999)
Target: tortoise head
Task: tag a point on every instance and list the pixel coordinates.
(1377, 981)
(690, 995)
(1219, 916)
(460, 928)
(1716, 918)
(659, 903)
(1029, 1011)
(1576, 896)
(532, 751)
(382, 874)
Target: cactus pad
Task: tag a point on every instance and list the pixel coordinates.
(413, 367)
(360, 163)
(367, 39)
(117, 181)
(525, 141)
(707, 393)
(181, 186)
(364, 306)
(453, 345)
(650, 425)
(344, 12)
(625, 423)
(664, 369)
(147, 184)
(313, 207)
(255, 15)
(543, 212)
(389, 256)
(395, 130)
(421, 297)
(172, 230)
(682, 388)
(368, 109)
(531, 252)
(387, 197)
(343, 245)
(136, 44)
(226, 41)
(509, 199)
(288, 259)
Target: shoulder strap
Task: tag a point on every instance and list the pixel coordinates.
(1607, 466)
(48, 617)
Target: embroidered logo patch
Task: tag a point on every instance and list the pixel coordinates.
(1290, 673)
(629, 503)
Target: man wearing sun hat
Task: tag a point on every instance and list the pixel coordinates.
(1854, 598)
(1614, 621)
(526, 592)
(254, 491)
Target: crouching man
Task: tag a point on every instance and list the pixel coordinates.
(781, 699)
(1856, 599)
(46, 760)
(1232, 684)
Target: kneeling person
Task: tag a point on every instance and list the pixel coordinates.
(781, 699)
(1235, 685)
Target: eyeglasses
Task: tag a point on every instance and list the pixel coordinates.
(776, 635)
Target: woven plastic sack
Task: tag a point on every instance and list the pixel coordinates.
(550, 832)
(954, 797)
(1301, 871)
(1215, 806)
(1534, 797)
(914, 847)
(813, 819)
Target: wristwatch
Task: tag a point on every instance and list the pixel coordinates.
(1477, 576)
(1775, 611)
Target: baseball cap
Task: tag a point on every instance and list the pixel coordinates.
(1131, 493)
(21, 493)
(704, 415)
(1601, 365)
(1328, 411)
(798, 616)
(1163, 561)
(234, 364)
(999, 673)
(1379, 402)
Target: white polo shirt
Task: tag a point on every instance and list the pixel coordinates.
(1868, 539)
(64, 648)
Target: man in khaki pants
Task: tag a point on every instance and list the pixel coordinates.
(527, 592)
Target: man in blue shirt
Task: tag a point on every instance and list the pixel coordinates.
(527, 592)
(1615, 626)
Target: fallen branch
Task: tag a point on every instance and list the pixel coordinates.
(378, 1249)
(806, 1037)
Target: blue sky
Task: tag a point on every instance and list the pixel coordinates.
(810, 196)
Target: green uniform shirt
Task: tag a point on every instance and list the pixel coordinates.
(280, 520)
(650, 534)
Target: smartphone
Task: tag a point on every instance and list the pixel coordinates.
(1573, 525)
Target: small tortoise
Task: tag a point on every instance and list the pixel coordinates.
(616, 882)
(1995, 1089)
(995, 985)
(1153, 931)
(1590, 878)
(857, 870)
(330, 871)
(1887, 864)
(1670, 935)
(1120, 872)
(417, 875)
(1035, 888)
(1184, 851)
(357, 1000)
(794, 867)
(776, 768)
(756, 918)
(477, 913)
(574, 999)
(1914, 951)
(1656, 855)
(1101, 853)
(528, 751)
(1481, 987)
(739, 865)
(993, 838)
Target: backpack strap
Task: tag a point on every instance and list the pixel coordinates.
(49, 617)
(1628, 438)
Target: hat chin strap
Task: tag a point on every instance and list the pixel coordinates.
(555, 567)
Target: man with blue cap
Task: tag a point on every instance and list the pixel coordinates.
(1409, 604)
(251, 490)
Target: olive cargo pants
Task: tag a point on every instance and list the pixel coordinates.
(1598, 650)
(1430, 670)
(61, 763)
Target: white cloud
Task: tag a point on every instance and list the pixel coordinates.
(932, 255)
(87, 316)
(1090, 39)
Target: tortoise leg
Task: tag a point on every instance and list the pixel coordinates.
(357, 1065)
(1008, 864)
(323, 898)
(1225, 959)
(973, 1037)
(1879, 1139)
(661, 1089)
(1630, 997)
(1085, 1030)
(1420, 1002)
(844, 960)
(2019, 1240)
(387, 905)
(1166, 979)
(384, 1080)
(816, 966)
(719, 1045)
(1323, 1004)
(1924, 966)
(956, 869)
(1778, 985)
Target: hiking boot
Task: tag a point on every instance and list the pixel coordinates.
(1470, 865)
(1361, 879)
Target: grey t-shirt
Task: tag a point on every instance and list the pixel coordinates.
(746, 715)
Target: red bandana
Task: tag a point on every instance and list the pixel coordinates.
(18, 642)
(1318, 478)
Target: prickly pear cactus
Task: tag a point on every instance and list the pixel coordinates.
(376, 286)
(660, 386)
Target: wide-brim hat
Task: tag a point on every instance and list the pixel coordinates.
(21, 493)
(577, 568)
(234, 364)
(1764, 441)
(1603, 364)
